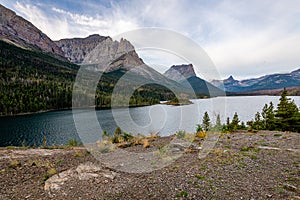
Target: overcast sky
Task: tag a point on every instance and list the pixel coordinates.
(243, 38)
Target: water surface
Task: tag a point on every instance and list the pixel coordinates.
(59, 127)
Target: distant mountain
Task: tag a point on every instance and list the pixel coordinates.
(20, 32)
(268, 82)
(185, 75)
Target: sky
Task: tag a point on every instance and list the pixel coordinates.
(243, 38)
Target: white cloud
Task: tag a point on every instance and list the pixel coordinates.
(53, 26)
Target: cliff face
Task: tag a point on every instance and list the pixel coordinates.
(180, 72)
(76, 49)
(19, 31)
(114, 54)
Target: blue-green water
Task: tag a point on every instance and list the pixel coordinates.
(58, 127)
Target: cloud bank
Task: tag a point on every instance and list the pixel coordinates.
(243, 38)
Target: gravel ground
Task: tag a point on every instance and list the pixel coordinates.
(242, 165)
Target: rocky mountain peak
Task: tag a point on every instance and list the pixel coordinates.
(230, 79)
(17, 30)
(115, 54)
(76, 49)
(180, 72)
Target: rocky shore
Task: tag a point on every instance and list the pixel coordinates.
(242, 165)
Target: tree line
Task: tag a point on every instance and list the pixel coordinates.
(286, 117)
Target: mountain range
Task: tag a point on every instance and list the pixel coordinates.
(261, 85)
(38, 73)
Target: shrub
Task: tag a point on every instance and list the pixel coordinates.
(199, 128)
(201, 134)
(127, 136)
(14, 164)
(180, 134)
(73, 143)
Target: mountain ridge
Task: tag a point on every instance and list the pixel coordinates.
(266, 82)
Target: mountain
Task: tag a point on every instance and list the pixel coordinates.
(180, 72)
(76, 49)
(99, 53)
(20, 32)
(264, 83)
(186, 76)
(34, 75)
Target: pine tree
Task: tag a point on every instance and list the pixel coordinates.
(287, 114)
(257, 124)
(235, 122)
(270, 118)
(218, 123)
(294, 119)
(206, 122)
(264, 115)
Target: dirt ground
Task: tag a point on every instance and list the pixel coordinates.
(242, 165)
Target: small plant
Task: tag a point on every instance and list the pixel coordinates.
(242, 164)
(180, 134)
(73, 143)
(118, 131)
(199, 128)
(44, 142)
(14, 164)
(45, 178)
(253, 157)
(59, 161)
(175, 166)
(52, 171)
(199, 177)
(182, 194)
(277, 135)
(201, 134)
(105, 135)
(127, 136)
(78, 154)
(146, 143)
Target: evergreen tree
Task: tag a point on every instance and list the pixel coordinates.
(235, 122)
(257, 124)
(264, 115)
(206, 122)
(270, 118)
(227, 121)
(287, 114)
(218, 123)
(243, 126)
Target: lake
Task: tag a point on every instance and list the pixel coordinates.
(58, 126)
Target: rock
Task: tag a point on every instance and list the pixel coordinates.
(55, 182)
(84, 171)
